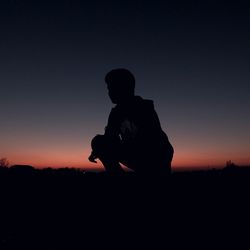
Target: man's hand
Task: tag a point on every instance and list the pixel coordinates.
(92, 158)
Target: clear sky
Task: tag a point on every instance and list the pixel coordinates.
(191, 57)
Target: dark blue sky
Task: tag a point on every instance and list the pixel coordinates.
(191, 57)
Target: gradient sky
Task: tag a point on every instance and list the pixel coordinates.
(191, 57)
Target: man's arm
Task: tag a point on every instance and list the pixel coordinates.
(112, 128)
(111, 131)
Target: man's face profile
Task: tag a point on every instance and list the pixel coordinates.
(114, 93)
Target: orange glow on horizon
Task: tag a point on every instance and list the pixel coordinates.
(182, 160)
(76, 155)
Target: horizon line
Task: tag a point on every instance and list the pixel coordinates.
(101, 168)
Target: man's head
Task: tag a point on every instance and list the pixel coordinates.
(121, 85)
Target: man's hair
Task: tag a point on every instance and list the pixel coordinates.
(121, 77)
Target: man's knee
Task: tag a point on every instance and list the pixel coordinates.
(98, 143)
(103, 146)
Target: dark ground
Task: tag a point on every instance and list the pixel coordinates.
(69, 209)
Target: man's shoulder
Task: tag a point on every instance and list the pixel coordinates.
(144, 102)
(138, 103)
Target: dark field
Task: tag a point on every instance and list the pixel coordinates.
(70, 209)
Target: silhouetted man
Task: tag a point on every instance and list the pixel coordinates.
(133, 135)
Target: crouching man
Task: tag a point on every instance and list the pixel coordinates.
(133, 135)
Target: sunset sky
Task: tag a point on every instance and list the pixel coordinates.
(191, 57)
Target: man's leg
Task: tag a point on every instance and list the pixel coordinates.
(148, 161)
(108, 153)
